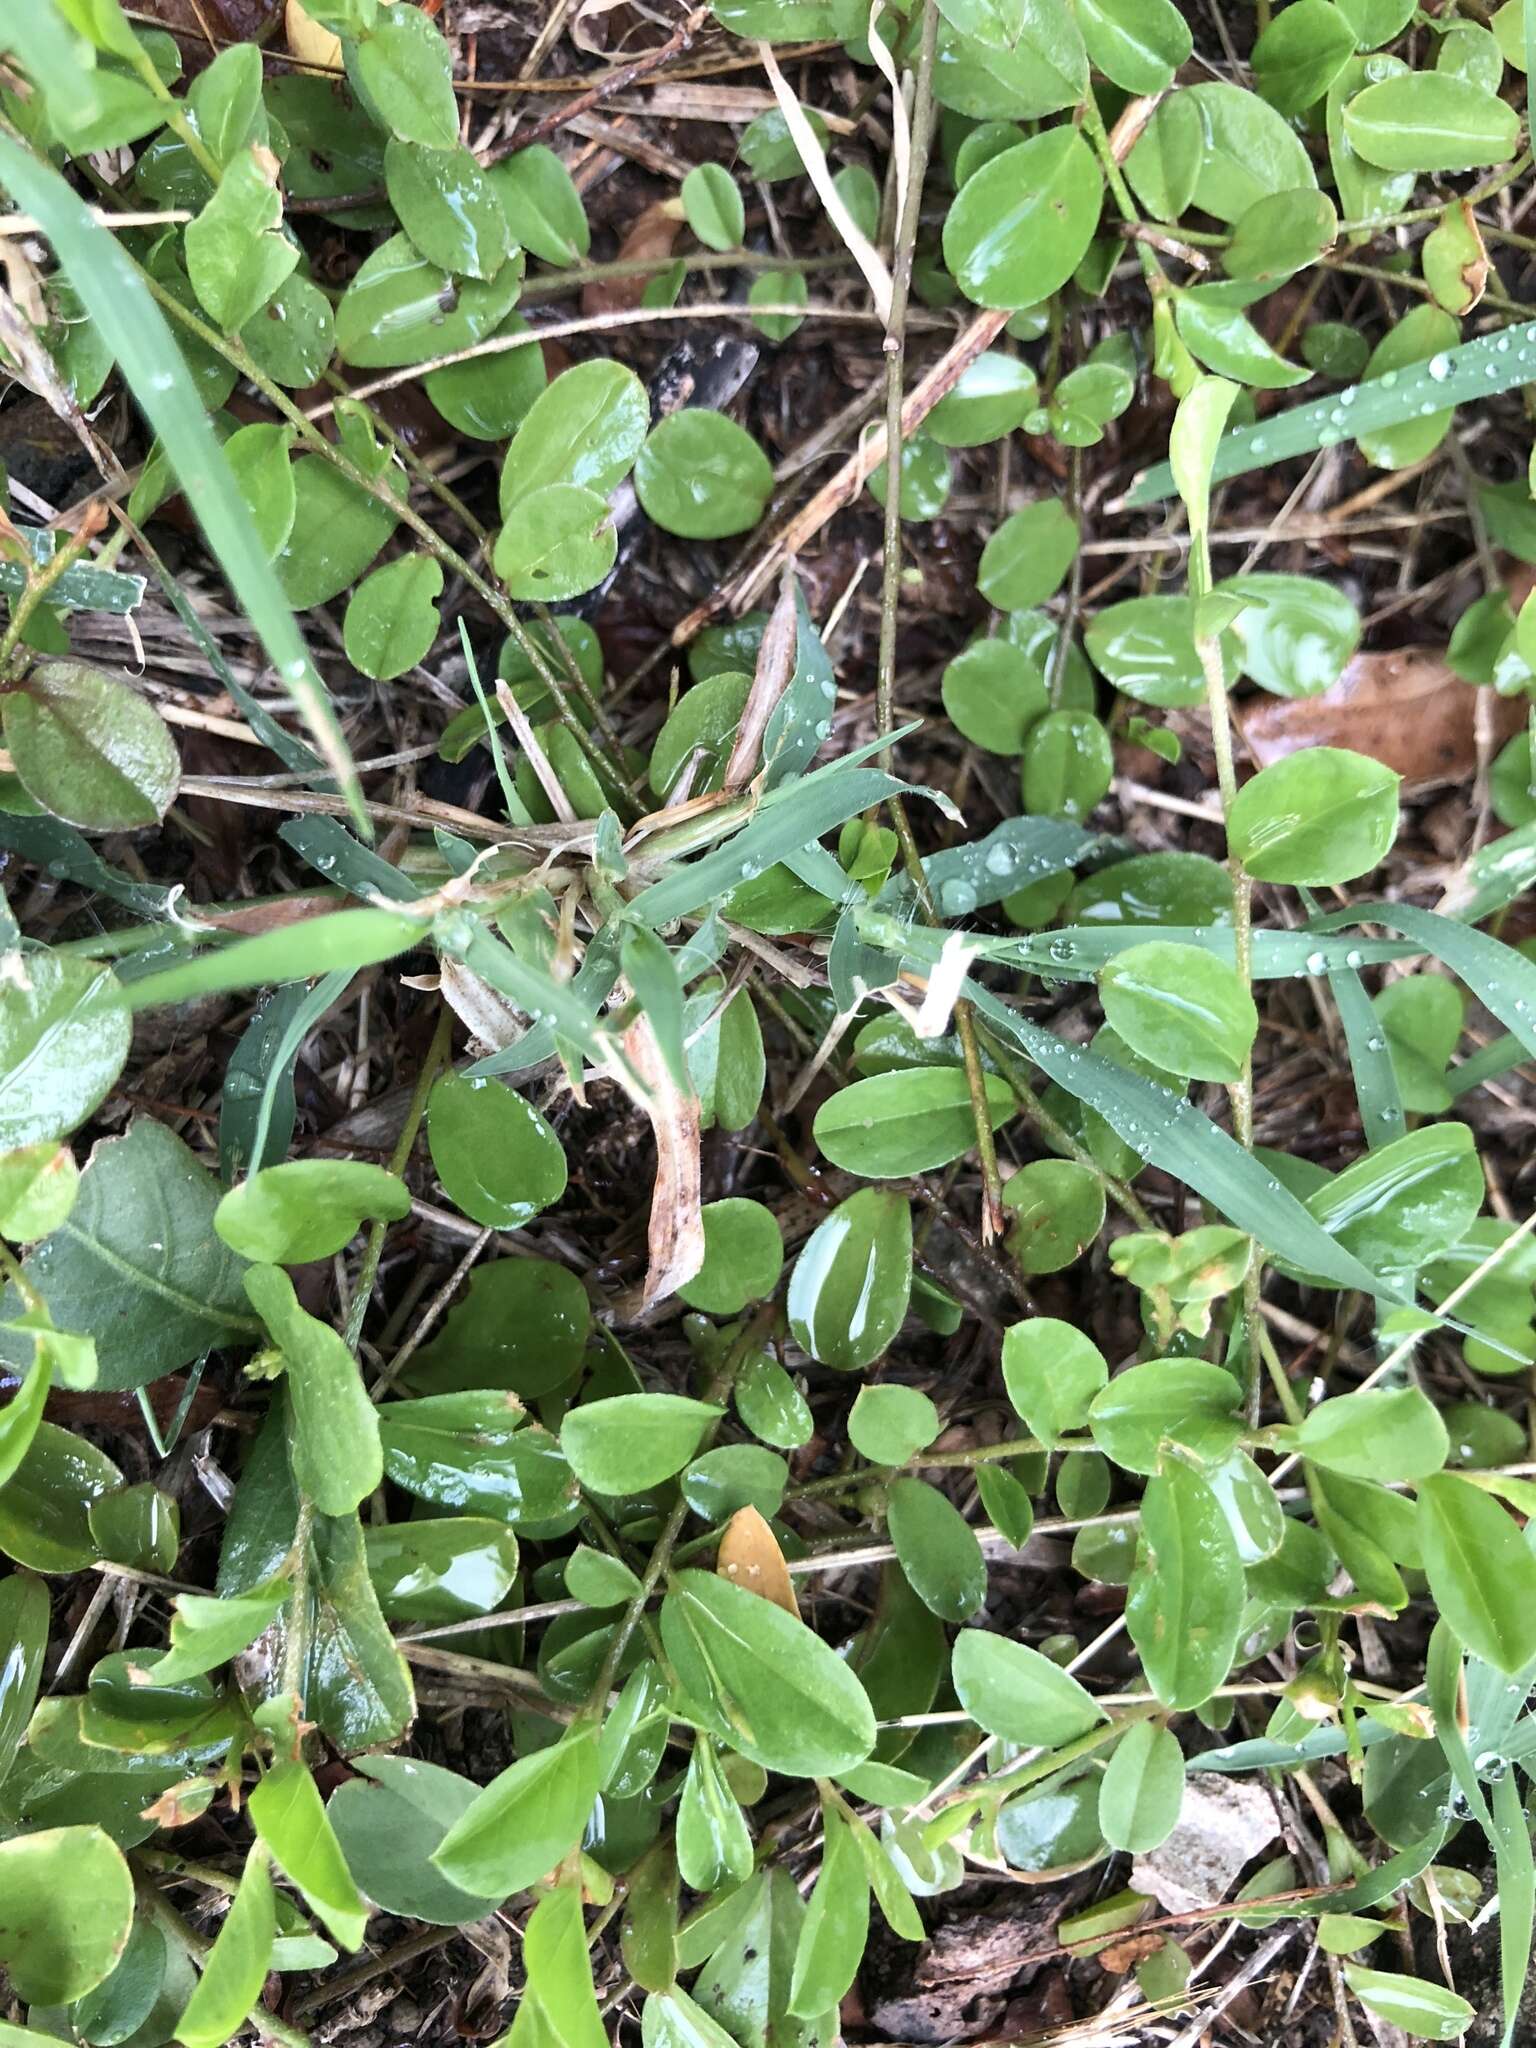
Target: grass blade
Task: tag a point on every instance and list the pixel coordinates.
(1476, 369)
(1370, 1059)
(133, 327)
(1169, 1132)
(1503, 980)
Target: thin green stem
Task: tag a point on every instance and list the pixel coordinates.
(719, 1387)
(437, 1054)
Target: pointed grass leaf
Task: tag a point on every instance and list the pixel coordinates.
(24, 1613)
(772, 1689)
(116, 299)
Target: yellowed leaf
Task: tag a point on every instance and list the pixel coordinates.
(749, 1556)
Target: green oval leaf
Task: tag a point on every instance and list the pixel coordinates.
(498, 1160)
(850, 1287)
(774, 1690)
(88, 749)
(1022, 224)
(1322, 816)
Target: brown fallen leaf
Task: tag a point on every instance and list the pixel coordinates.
(1404, 708)
(1121, 1956)
(651, 236)
(749, 1556)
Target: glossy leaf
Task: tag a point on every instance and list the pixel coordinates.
(1318, 817)
(334, 1427)
(891, 1126)
(64, 1033)
(286, 1811)
(237, 1964)
(1185, 1605)
(769, 1687)
(850, 1286)
(1178, 1007)
(702, 476)
(1022, 224)
(1376, 1435)
(1052, 1373)
(67, 1914)
(633, 1440)
(937, 1549)
(836, 1925)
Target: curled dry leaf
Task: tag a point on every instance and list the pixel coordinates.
(775, 666)
(487, 1016)
(1404, 708)
(676, 1235)
(749, 1556)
